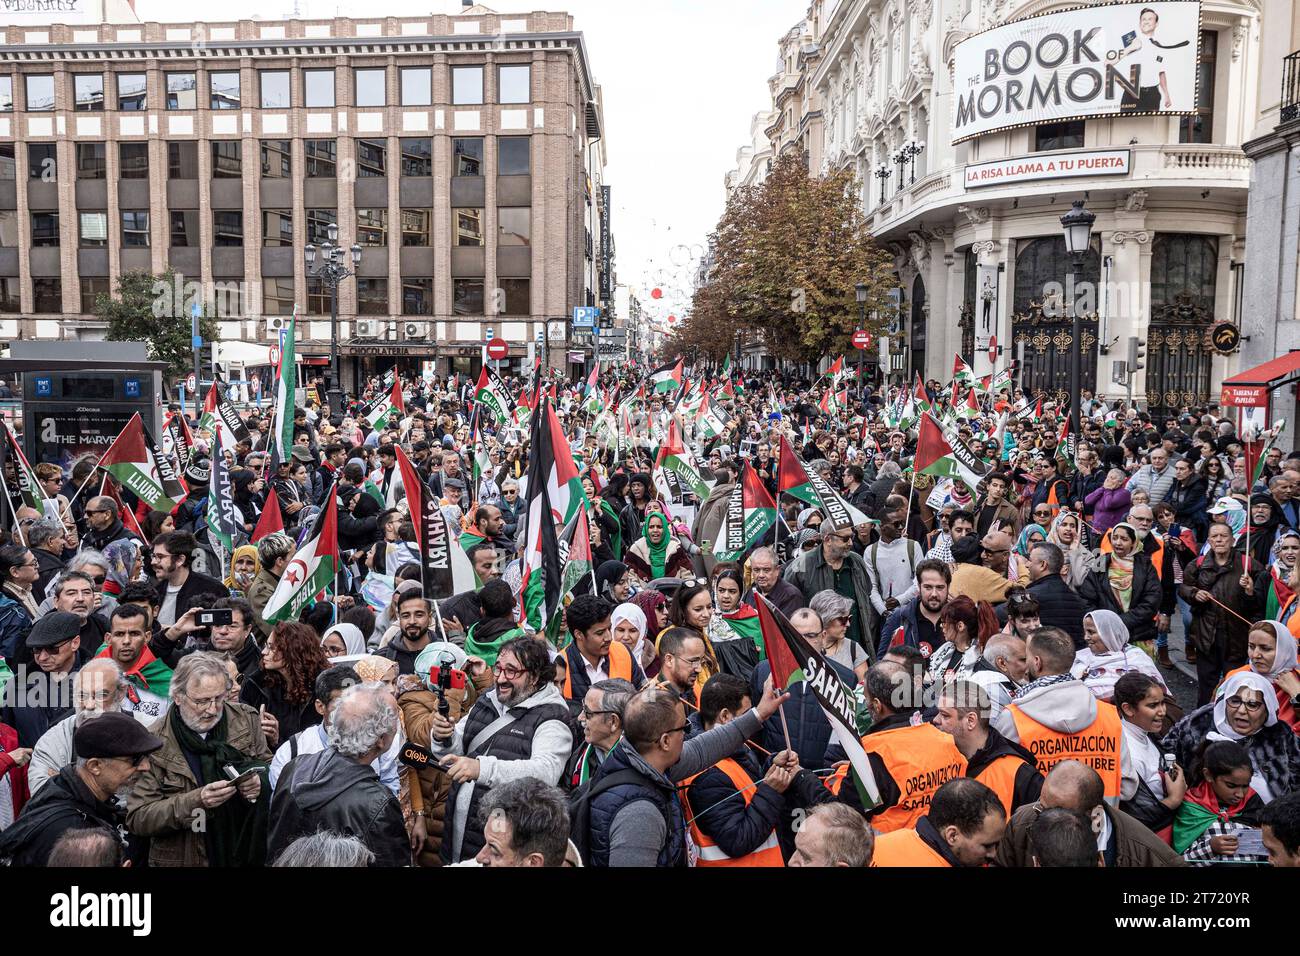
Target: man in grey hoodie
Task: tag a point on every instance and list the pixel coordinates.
(337, 789)
(1057, 718)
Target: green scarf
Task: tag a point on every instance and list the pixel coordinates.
(658, 552)
(616, 538)
(236, 830)
(490, 648)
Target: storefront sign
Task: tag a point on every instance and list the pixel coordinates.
(1103, 60)
(1244, 396)
(1023, 169)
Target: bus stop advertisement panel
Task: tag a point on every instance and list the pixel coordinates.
(69, 413)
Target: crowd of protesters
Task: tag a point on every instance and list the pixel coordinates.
(1007, 645)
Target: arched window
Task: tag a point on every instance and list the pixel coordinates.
(1184, 268)
(1040, 263)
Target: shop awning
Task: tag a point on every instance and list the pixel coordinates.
(1269, 372)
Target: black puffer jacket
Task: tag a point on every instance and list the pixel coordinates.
(327, 791)
(1144, 605)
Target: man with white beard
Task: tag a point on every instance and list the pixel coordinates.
(98, 688)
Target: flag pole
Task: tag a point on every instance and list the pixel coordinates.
(77, 494)
(14, 512)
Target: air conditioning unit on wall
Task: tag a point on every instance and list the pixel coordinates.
(415, 331)
(367, 329)
(275, 325)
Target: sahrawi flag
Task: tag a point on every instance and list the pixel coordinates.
(707, 420)
(490, 392)
(313, 566)
(794, 659)
(962, 374)
(555, 494)
(674, 456)
(139, 465)
(943, 454)
(750, 512)
(286, 389)
(380, 410)
(221, 502)
(794, 479)
(667, 378)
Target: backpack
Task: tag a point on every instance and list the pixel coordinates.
(580, 808)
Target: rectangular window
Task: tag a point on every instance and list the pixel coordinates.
(94, 230)
(1200, 128)
(467, 156)
(45, 228)
(6, 93)
(467, 227)
(227, 227)
(275, 89)
(132, 92)
(514, 84)
(318, 298)
(417, 157)
(417, 296)
(182, 160)
(43, 162)
(277, 296)
(372, 296)
(417, 86)
(133, 160)
(224, 90)
(277, 227)
(135, 228)
(184, 227)
(322, 158)
(415, 227)
(370, 157)
(92, 287)
(467, 296)
(8, 162)
(318, 223)
(514, 156)
(90, 160)
(372, 227)
(370, 87)
(40, 92)
(182, 92)
(277, 160)
(318, 88)
(88, 92)
(227, 159)
(47, 295)
(466, 85)
(514, 226)
(517, 296)
(1067, 135)
(9, 301)
(9, 228)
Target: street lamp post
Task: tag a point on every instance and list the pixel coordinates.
(882, 173)
(861, 291)
(900, 160)
(910, 152)
(331, 270)
(1077, 226)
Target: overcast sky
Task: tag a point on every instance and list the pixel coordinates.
(681, 80)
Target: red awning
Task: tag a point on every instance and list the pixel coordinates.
(1269, 372)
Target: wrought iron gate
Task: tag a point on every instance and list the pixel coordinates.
(1180, 357)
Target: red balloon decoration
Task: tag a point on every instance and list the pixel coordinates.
(656, 293)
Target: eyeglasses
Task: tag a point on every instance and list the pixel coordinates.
(588, 712)
(682, 730)
(843, 619)
(52, 648)
(508, 672)
(1251, 706)
(99, 580)
(203, 703)
(98, 511)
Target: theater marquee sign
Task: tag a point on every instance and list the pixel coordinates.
(1006, 172)
(1106, 60)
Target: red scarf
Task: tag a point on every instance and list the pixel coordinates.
(1203, 795)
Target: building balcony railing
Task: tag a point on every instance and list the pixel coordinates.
(1290, 88)
(1154, 165)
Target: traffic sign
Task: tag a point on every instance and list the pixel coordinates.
(488, 333)
(862, 339)
(585, 316)
(497, 349)
(993, 350)
(190, 383)
(275, 354)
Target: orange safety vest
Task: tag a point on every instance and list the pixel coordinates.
(620, 665)
(905, 848)
(768, 853)
(1000, 777)
(1096, 746)
(920, 760)
(1157, 556)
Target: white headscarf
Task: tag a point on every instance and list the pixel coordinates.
(353, 640)
(1100, 671)
(1285, 658)
(636, 617)
(1229, 687)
